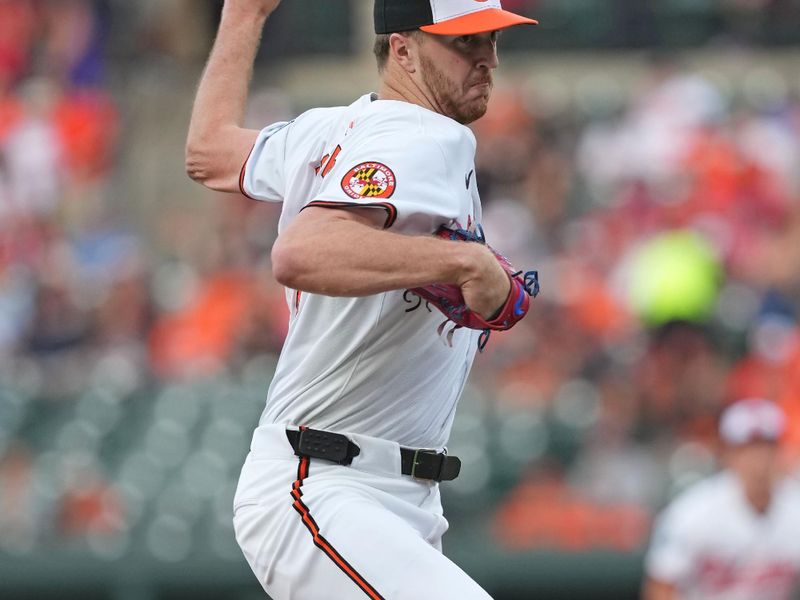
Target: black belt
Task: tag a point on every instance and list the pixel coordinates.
(337, 448)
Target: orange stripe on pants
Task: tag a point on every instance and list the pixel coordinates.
(321, 542)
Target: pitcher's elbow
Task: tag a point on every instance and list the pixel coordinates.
(285, 266)
(195, 165)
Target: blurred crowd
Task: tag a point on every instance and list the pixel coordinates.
(58, 133)
(665, 222)
(86, 303)
(667, 229)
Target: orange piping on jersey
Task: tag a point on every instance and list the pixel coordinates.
(389, 208)
(319, 541)
(241, 174)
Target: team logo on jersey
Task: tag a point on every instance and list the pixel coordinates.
(369, 180)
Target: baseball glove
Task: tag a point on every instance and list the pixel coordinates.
(450, 301)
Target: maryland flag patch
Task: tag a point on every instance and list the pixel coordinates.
(369, 180)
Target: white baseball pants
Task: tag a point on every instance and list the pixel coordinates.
(314, 530)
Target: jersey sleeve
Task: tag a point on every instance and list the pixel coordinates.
(671, 555)
(263, 174)
(405, 176)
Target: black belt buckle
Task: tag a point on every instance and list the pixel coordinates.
(427, 464)
(425, 469)
(334, 447)
(431, 465)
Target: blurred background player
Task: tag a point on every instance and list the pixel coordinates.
(733, 536)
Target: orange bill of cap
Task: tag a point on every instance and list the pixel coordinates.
(491, 19)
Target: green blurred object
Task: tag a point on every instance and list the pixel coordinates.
(674, 277)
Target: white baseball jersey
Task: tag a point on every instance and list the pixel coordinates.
(713, 545)
(370, 365)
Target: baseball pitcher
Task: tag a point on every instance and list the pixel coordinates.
(392, 289)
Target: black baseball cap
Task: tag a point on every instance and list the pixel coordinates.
(444, 17)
